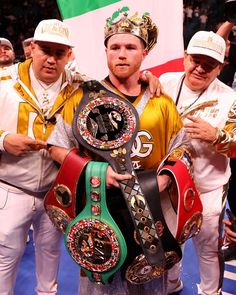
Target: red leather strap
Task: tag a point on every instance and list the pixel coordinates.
(185, 201)
(62, 194)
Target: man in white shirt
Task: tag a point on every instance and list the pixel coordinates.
(207, 107)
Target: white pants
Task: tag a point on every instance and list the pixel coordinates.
(122, 287)
(18, 211)
(207, 245)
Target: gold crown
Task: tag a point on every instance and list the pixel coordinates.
(142, 27)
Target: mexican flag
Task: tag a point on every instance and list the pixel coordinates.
(87, 18)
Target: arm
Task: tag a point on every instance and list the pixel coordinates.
(225, 29)
(179, 142)
(147, 77)
(59, 154)
(229, 234)
(200, 129)
(19, 144)
(155, 87)
(180, 149)
(183, 196)
(224, 140)
(164, 182)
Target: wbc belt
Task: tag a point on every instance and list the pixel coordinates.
(107, 124)
(93, 239)
(61, 200)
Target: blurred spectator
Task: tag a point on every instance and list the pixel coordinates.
(7, 55)
(201, 15)
(203, 20)
(189, 13)
(196, 11)
(26, 47)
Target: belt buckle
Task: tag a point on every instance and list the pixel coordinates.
(141, 272)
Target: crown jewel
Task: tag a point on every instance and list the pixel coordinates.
(142, 27)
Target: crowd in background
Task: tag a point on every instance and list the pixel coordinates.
(18, 19)
(201, 15)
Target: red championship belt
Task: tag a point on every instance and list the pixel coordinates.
(181, 205)
(60, 201)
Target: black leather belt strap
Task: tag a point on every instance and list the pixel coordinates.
(140, 271)
(148, 182)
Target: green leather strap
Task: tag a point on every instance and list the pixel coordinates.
(93, 239)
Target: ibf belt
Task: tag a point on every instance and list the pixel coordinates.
(61, 200)
(107, 124)
(93, 239)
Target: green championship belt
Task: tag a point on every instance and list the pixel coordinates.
(93, 239)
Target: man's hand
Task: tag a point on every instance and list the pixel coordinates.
(200, 129)
(113, 178)
(155, 87)
(229, 234)
(20, 145)
(57, 153)
(163, 182)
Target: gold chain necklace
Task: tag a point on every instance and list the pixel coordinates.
(45, 89)
(45, 98)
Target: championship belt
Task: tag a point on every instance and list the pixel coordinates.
(93, 239)
(107, 124)
(61, 200)
(182, 203)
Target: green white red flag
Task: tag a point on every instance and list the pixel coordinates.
(87, 18)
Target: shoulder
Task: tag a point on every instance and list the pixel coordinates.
(171, 81)
(171, 76)
(164, 101)
(73, 75)
(224, 94)
(166, 110)
(5, 73)
(222, 88)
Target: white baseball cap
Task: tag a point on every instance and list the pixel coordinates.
(6, 42)
(52, 30)
(207, 43)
